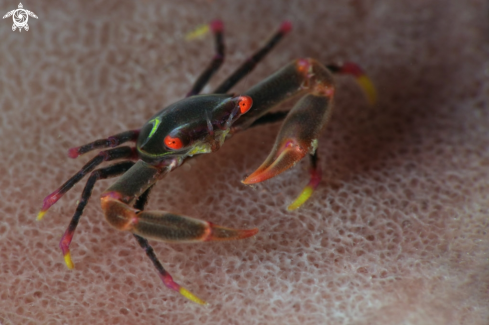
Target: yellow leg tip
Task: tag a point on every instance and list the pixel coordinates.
(198, 32)
(40, 215)
(303, 197)
(68, 261)
(190, 296)
(368, 87)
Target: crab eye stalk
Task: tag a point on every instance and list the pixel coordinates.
(245, 103)
(174, 143)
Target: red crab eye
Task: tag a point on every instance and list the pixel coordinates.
(245, 103)
(173, 143)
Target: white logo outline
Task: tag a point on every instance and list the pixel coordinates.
(20, 17)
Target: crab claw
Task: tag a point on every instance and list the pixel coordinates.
(297, 137)
(280, 159)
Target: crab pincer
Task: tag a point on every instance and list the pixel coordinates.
(300, 130)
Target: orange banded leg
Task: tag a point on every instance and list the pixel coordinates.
(132, 187)
(107, 155)
(163, 274)
(168, 227)
(102, 173)
(165, 226)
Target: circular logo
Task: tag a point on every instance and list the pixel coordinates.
(20, 18)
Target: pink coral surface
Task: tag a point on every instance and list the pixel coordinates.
(397, 232)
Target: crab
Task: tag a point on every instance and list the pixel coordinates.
(200, 124)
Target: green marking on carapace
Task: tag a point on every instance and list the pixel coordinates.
(156, 122)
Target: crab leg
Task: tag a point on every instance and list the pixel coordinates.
(252, 61)
(159, 225)
(110, 142)
(164, 275)
(347, 68)
(314, 180)
(350, 68)
(102, 173)
(217, 28)
(107, 155)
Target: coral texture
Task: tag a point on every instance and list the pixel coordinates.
(397, 232)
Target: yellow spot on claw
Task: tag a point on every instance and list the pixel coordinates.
(303, 197)
(190, 296)
(198, 32)
(68, 261)
(40, 215)
(369, 89)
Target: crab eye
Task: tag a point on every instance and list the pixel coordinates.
(173, 143)
(245, 103)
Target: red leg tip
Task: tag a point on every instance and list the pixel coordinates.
(73, 152)
(50, 200)
(352, 68)
(64, 243)
(217, 26)
(286, 27)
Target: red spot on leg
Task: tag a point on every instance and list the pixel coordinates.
(51, 199)
(73, 152)
(286, 27)
(169, 283)
(217, 26)
(352, 69)
(65, 241)
(48, 202)
(316, 176)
